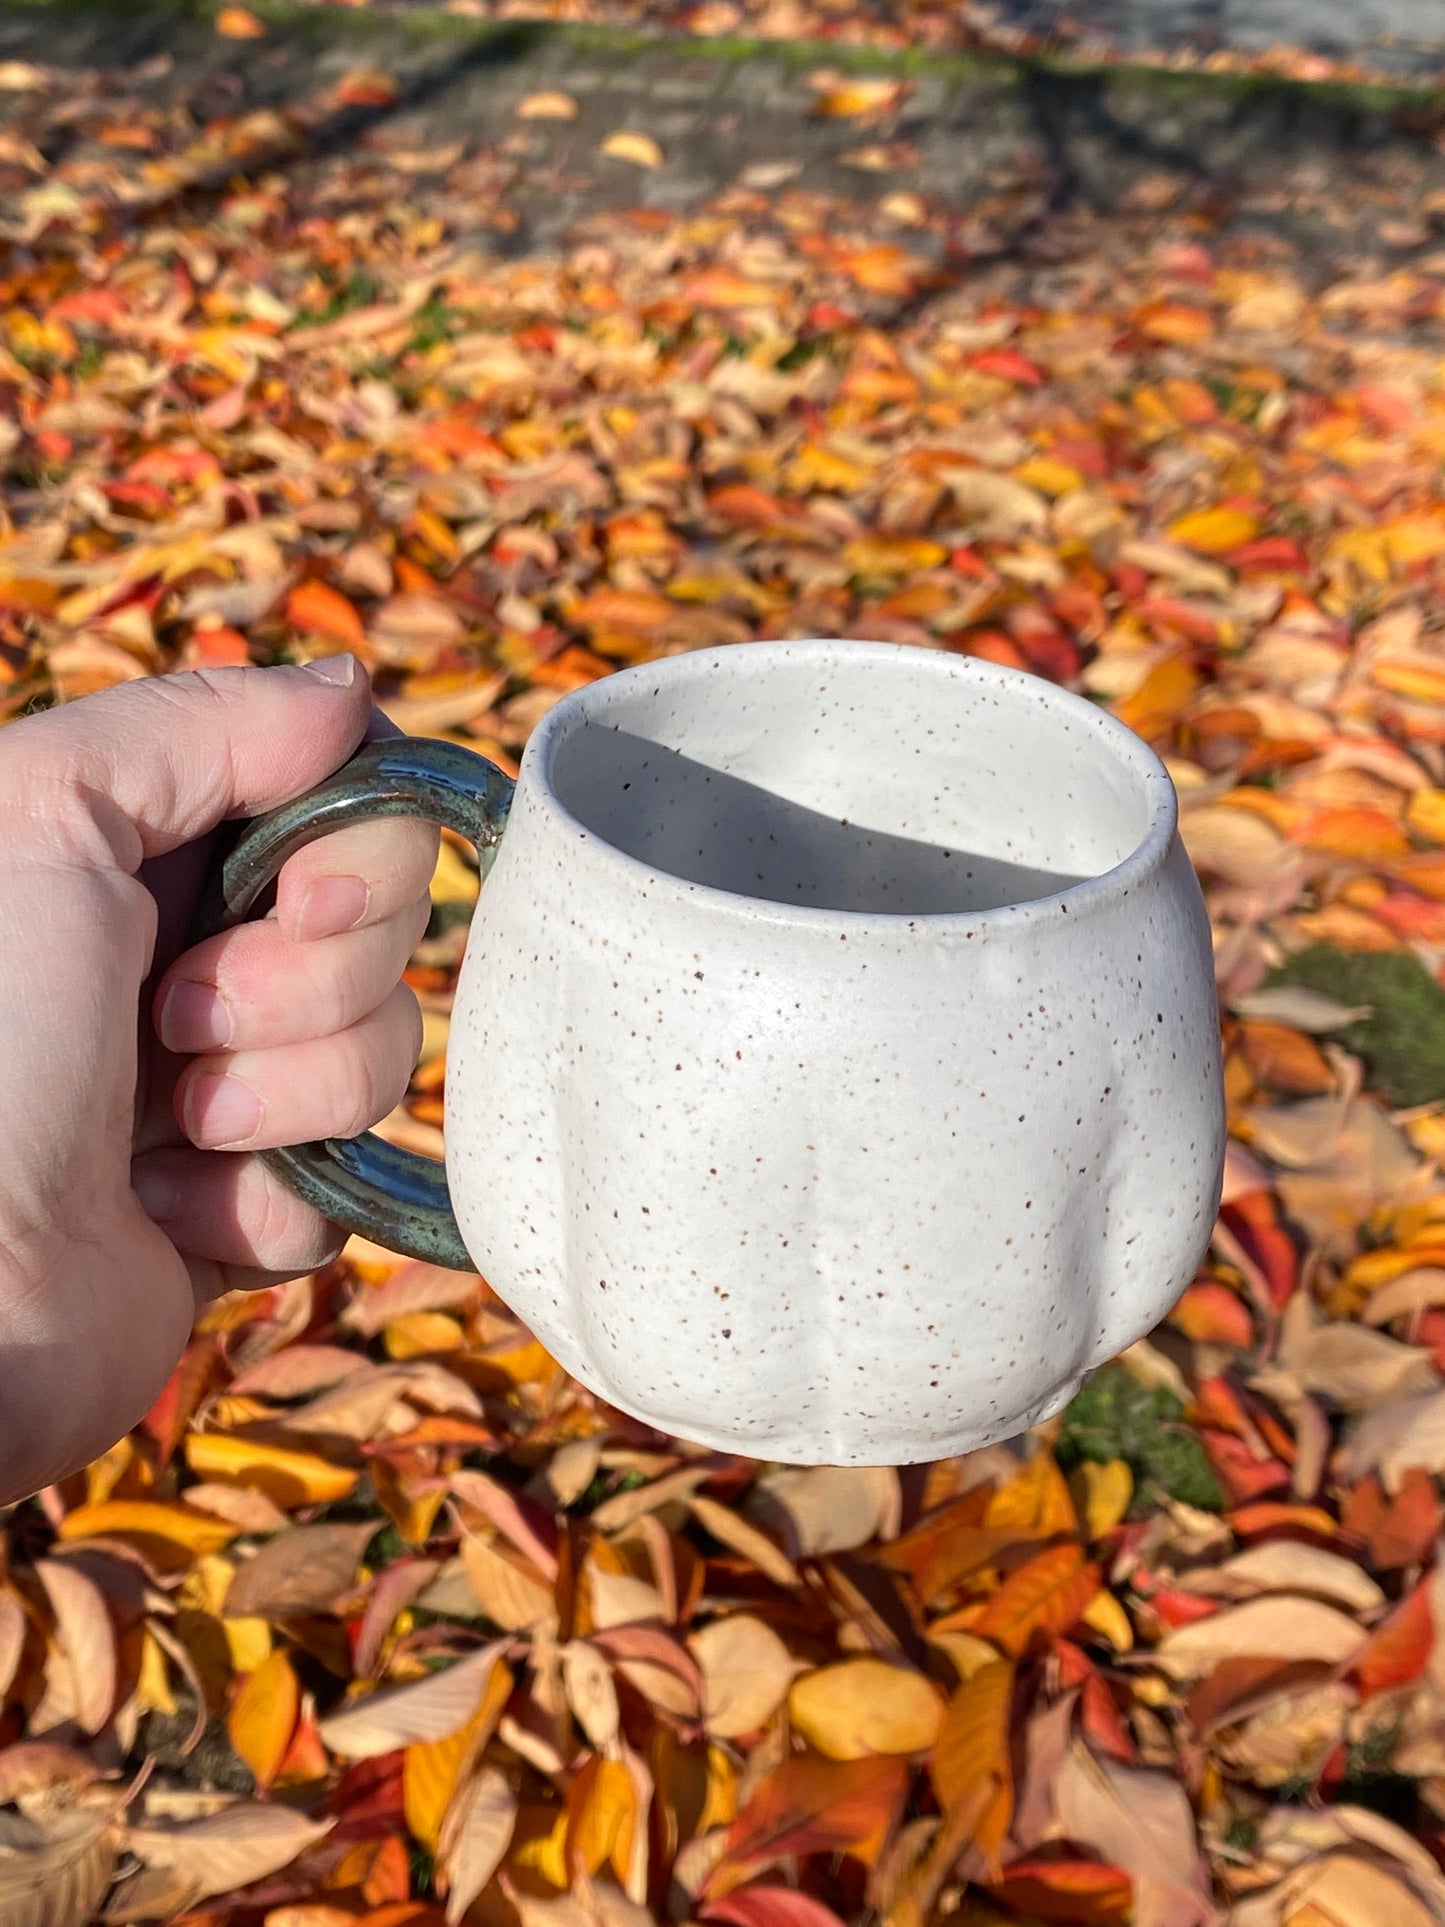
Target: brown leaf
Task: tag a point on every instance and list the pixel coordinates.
(424, 1709)
(746, 1671)
(61, 1878)
(80, 1673)
(475, 1834)
(301, 1570)
(223, 1850)
(1277, 1623)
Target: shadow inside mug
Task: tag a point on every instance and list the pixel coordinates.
(704, 825)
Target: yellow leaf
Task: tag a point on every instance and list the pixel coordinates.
(166, 1532)
(891, 555)
(430, 1769)
(248, 1640)
(866, 1706)
(263, 1716)
(417, 1333)
(236, 23)
(287, 1477)
(453, 880)
(1102, 1493)
(548, 105)
(153, 1684)
(1425, 814)
(855, 97)
(641, 149)
(1050, 477)
(1109, 1620)
(1214, 531)
(815, 466)
(1035, 1500)
(601, 1829)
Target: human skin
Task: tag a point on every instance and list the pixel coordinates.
(137, 1077)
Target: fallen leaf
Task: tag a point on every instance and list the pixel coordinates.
(746, 1671)
(424, 1709)
(475, 1834)
(299, 1571)
(263, 1716)
(641, 149)
(863, 1707)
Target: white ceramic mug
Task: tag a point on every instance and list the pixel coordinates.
(834, 1072)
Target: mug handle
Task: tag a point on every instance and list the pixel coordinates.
(396, 1198)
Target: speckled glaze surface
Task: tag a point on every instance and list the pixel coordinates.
(834, 1074)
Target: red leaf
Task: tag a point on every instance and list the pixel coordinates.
(1399, 1647)
(1245, 1476)
(182, 1392)
(1009, 365)
(1178, 1608)
(1102, 1721)
(1251, 1217)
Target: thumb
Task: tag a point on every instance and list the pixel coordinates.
(175, 755)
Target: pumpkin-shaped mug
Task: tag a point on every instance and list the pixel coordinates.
(834, 1071)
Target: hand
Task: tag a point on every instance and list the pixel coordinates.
(136, 1079)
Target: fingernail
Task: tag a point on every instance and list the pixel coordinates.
(221, 1110)
(331, 905)
(195, 1017)
(338, 669)
(158, 1192)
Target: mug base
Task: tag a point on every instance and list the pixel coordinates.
(805, 1449)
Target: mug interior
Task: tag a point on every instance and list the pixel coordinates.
(852, 777)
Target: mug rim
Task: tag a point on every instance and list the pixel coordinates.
(1090, 894)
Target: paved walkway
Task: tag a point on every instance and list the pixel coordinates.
(1011, 155)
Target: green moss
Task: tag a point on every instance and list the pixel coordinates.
(1115, 1417)
(1403, 1042)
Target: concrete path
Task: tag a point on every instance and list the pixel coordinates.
(1009, 155)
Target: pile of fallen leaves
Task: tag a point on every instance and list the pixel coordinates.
(377, 1616)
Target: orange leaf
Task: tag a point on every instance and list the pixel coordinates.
(1173, 321)
(316, 608)
(818, 1806)
(1161, 696)
(721, 288)
(602, 1817)
(973, 1741)
(1399, 1648)
(1044, 1597)
(1214, 530)
(235, 23)
(1068, 1890)
(263, 1716)
(1213, 1314)
(1399, 1531)
(1035, 1500)
(368, 88)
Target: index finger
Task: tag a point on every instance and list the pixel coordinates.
(355, 877)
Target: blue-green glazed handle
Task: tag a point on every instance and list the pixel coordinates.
(364, 1184)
